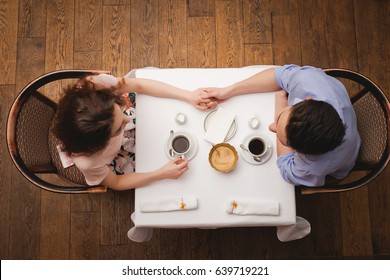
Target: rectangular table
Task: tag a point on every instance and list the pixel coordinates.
(155, 120)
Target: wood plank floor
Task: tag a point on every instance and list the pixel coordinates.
(38, 36)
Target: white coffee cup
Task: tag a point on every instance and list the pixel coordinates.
(179, 145)
(257, 147)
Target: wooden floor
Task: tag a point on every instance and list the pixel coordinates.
(38, 36)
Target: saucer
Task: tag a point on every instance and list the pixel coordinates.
(194, 145)
(264, 158)
(232, 129)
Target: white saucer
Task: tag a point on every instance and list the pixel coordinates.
(232, 129)
(248, 157)
(194, 145)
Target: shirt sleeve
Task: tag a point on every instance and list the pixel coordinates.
(94, 176)
(295, 173)
(283, 75)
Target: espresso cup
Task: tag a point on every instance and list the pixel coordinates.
(179, 145)
(257, 147)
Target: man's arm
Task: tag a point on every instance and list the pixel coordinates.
(260, 82)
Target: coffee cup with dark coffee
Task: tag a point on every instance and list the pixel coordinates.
(257, 147)
(179, 145)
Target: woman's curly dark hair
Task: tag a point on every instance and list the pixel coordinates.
(84, 118)
(314, 127)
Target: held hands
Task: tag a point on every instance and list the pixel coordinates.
(199, 98)
(213, 95)
(217, 93)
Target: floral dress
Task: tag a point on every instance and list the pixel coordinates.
(124, 162)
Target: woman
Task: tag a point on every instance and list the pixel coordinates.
(90, 123)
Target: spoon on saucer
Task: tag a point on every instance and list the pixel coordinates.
(258, 159)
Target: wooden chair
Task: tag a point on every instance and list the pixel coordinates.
(31, 144)
(373, 113)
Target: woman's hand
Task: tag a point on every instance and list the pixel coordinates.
(174, 168)
(103, 81)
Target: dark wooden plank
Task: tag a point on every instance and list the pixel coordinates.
(25, 219)
(286, 32)
(201, 42)
(262, 243)
(372, 29)
(85, 236)
(116, 43)
(201, 8)
(258, 54)
(6, 99)
(86, 202)
(285, 7)
(88, 60)
(125, 207)
(31, 60)
(323, 213)
(116, 209)
(55, 226)
(116, 2)
(379, 195)
(373, 41)
(229, 37)
(109, 228)
(59, 42)
(257, 22)
(32, 18)
(59, 35)
(172, 34)
(175, 244)
(356, 230)
(286, 36)
(89, 20)
(144, 34)
(8, 34)
(327, 33)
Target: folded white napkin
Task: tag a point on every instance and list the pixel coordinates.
(168, 204)
(219, 126)
(252, 207)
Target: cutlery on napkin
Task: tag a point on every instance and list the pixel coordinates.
(169, 204)
(252, 207)
(219, 126)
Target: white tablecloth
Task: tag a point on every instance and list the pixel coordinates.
(155, 119)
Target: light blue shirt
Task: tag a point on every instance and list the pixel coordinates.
(311, 170)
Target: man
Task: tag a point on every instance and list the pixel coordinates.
(315, 123)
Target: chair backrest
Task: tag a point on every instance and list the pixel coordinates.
(372, 110)
(31, 144)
